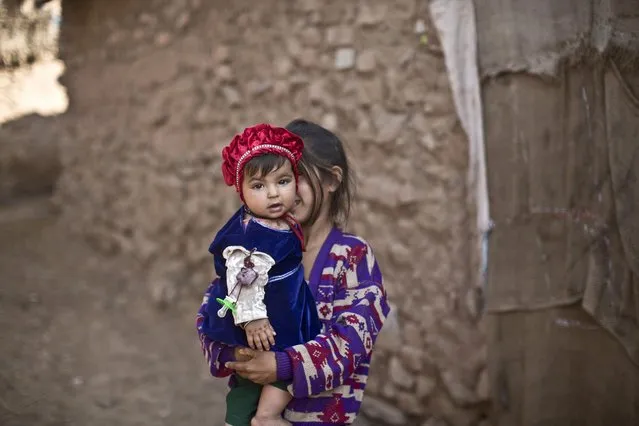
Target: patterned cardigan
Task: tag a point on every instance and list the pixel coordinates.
(329, 373)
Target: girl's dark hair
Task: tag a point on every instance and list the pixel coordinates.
(263, 164)
(323, 150)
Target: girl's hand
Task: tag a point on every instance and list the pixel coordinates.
(260, 334)
(243, 354)
(262, 369)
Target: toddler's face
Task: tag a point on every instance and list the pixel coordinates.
(272, 195)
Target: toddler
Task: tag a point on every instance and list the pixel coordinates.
(261, 299)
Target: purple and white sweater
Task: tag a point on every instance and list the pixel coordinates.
(329, 373)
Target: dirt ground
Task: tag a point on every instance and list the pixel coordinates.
(81, 345)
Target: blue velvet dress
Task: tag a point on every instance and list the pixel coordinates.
(288, 299)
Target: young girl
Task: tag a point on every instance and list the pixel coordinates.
(261, 299)
(328, 373)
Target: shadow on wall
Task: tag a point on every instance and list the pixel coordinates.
(29, 160)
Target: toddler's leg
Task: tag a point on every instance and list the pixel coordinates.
(272, 403)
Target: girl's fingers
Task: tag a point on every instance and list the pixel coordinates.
(239, 367)
(271, 338)
(247, 352)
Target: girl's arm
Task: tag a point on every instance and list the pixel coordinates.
(217, 354)
(359, 311)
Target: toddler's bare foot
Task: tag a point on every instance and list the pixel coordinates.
(269, 421)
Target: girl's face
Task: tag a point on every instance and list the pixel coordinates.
(304, 202)
(306, 207)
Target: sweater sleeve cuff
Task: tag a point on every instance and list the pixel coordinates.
(284, 366)
(227, 354)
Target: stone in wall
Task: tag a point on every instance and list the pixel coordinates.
(142, 169)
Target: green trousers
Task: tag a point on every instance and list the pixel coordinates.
(242, 400)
